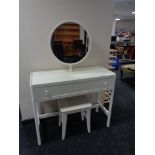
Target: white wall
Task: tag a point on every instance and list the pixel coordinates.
(113, 27)
(37, 19)
(125, 25)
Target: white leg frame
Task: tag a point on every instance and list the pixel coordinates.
(63, 119)
(82, 115)
(36, 118)
(37, 123)
(101, 105)
(88, 115)
(64, 124)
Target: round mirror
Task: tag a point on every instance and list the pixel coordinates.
(70, 42)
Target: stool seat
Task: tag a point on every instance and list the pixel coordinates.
(73, 105)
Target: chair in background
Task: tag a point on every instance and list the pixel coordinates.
(126, 56)
(125, 59)
(131, 52)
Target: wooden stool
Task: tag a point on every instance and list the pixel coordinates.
(74, 105)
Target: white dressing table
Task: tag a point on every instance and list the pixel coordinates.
(56, 84)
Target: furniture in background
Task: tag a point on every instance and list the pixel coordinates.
(73, 105)
(58, 84)
(121, 55)
(58, 47)
(112, 57)
(131, 51)
(128, 71)
(125, 59)
(124, 44)
(74, 40)
(66, 33)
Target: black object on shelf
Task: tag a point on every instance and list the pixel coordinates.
(71, 59)
(113, 38)
(58, 50)
(77, 44)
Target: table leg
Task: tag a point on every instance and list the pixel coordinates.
(110, 108)
(36, 119)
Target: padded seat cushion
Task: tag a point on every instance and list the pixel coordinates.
(73, 103)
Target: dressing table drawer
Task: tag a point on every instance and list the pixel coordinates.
(57, 91)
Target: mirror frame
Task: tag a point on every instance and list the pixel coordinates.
(50, 37)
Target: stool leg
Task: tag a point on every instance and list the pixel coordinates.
(88, 112)
(64, 123)
(96, 109)
(60, 118)
(82, 115)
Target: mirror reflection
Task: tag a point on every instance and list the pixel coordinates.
(70, 42)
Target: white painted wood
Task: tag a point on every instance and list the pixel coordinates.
(88, 113)
(64, 124)
(70, 68)
(41, 116)
(67, 89)
(60, 118)
(107, 112)
(97, 109)
(35, 111)
(82, 115)
(110, 107)
(103, 108)
(74, 105)
(57, 84)
(55, 77)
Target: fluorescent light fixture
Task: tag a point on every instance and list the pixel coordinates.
(117, 19)
(133, 12)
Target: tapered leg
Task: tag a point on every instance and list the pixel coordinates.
(64, 123)
(60, 118)
(36, 118)
(82, 115)
(88, 115)
(110, 108)
(97, 109)
(98, 99)
(37, 122)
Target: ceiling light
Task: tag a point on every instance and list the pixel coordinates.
(117, 19)
(133, 12)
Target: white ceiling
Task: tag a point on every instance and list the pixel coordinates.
(124, 9)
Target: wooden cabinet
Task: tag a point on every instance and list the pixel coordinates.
(67, 33)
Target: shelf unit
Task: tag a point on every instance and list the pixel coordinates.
(67, 33)
(112, 55)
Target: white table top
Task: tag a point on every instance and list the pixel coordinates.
(54, 77)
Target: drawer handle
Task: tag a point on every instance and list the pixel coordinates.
(46, 92)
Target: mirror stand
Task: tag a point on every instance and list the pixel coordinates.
(70, 68)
